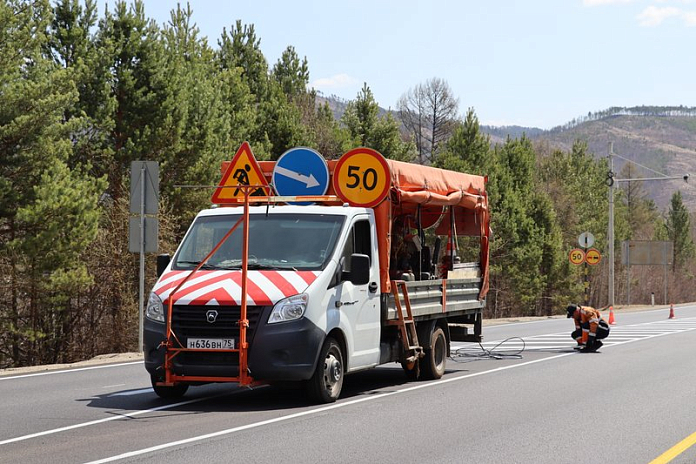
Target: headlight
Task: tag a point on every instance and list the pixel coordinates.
(289, 309)
(155, 310)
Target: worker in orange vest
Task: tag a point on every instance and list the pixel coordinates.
(590, 328)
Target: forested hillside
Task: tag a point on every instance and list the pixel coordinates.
(662, 139)
(84, 92)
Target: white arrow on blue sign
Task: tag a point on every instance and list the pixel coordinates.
(300, 171)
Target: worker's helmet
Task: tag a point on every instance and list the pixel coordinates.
(571, 310)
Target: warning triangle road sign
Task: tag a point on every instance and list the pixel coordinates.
(242, 170)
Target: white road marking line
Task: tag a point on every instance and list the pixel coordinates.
(114, 386)
(109, 419)
(132, 392)
(37, 374)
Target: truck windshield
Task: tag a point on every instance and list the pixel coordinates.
(276, 241)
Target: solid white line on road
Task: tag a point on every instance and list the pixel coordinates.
(70, 370)
(114, 386)
(109, 419)
(132, 392)
(315, 411)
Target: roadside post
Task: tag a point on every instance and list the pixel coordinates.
(143, 228)
(586, 240)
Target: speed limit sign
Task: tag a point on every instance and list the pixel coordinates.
(361, 177)
(576, 256)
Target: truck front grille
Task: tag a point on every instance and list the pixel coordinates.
(192, 321)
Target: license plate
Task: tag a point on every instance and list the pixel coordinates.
(210, 343)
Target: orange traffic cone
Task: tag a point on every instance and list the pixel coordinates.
(611, 316)
(671, 311)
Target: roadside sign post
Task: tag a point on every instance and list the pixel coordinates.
(646, 253)
(142, 230)
(586, 240)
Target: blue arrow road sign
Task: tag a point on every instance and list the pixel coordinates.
(301, 171)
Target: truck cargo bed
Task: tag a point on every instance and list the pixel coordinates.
(461, 298)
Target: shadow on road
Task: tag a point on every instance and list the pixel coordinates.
(232, 398)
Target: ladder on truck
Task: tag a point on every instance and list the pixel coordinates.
(407, 326)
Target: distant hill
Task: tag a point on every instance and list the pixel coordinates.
(660, 138)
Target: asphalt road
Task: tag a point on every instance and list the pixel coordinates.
(533, 400)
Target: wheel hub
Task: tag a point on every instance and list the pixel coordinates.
(333, 371)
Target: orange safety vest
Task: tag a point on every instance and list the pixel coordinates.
(584, 315)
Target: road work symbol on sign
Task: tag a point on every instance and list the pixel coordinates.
(576, 256)
(361, 177)
(242, 170)
(593, 257)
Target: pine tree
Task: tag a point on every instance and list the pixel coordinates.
(367, 129)
(517, 250)
(240, 48)
(48, 211)
(678, 230)
(291, 73)
(468, 150)
(641, 211)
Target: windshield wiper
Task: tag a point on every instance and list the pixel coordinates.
(235, 265)
(259, 266)
(206, 266)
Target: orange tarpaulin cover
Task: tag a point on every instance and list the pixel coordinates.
(425, 185)
(432, 186)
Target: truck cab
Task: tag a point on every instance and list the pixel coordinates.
(312, 272)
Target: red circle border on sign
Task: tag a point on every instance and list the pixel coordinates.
(344, 158)
(599, 257)
(571, 252)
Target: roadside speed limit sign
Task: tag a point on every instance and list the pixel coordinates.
(576, 256)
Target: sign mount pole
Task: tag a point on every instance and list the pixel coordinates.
(141, 296)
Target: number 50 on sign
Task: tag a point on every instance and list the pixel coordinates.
(576, 256)
(361, 177)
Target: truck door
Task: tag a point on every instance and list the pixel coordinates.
(358, 305)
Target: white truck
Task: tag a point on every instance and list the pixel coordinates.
(266, 292)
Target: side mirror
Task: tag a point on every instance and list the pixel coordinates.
(359, 269)
(162, 263)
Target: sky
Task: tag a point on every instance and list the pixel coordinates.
(534, 63)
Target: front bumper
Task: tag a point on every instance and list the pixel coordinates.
(284, 351)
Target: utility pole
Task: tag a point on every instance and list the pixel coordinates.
(610, 234)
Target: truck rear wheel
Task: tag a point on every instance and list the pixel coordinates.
(433, 363)
(327, 381)
(169, 393)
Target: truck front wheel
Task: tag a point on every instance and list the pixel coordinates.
(433, 363)
(327, 381)
(169, 393)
